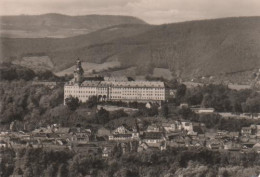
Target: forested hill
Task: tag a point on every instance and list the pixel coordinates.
(189, 49)
(58, 25)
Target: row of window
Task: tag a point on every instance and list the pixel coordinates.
(93, 93)
(117, 88)
(122, 97)
(136, 92)
(136, 88)
(75, 91)
(112, 90)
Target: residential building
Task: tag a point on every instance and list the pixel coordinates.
(246, 131)
(153, 128)
(153, 137)
(169, 127)
(123, 134)
(203, 110)
(187, 126)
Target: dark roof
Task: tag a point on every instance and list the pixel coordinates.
(87, 145)
(123, 135)
(153, 135)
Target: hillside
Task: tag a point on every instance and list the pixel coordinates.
(64, 52)
(58, 25)
(193, 49)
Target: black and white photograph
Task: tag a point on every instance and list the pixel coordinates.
(129, 88)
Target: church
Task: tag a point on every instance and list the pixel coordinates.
(114, 90)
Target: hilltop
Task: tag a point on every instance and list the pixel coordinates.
(220, 47)
(58, 25)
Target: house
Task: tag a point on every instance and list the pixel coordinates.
(249, 142)
(153, 137)
(231, 146)
(122, 133)
(172, 135)
(222, 134)
(177, 141)
(197, 143)
(192, 133)
(121, 137)
(246, 131)
(80, 138)
(258, 130)
(215, 145)
(80, 135)
(199, 127)
(151, 147)
(234, 134)
(63, 130)
(203, 110)
(142, 146)
(106, 152)
(153, 128)
(169, 127)
(187, 126)
(163, 146)
(148, 105)
(121, 130)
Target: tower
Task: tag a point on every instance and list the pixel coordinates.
(78, 72)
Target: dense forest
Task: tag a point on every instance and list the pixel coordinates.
(222, 98)
(197, 162)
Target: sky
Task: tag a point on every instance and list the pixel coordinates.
(151, 11)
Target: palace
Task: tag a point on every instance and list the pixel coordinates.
(112, 89)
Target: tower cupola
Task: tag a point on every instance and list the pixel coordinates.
(78, 72)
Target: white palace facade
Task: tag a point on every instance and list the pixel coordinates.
(140, 91)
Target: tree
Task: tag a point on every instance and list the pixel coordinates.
(165, 110)
(72, 103)
(102, 116)
(118, 113)
(153, 111)
(92, 101)
(181, 90)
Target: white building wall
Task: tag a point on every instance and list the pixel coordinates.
(118, 92)
(82, 93)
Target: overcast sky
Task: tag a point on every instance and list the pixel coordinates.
(152, 11)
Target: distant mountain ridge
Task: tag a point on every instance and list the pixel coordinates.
(58, 25)
(188, 49)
